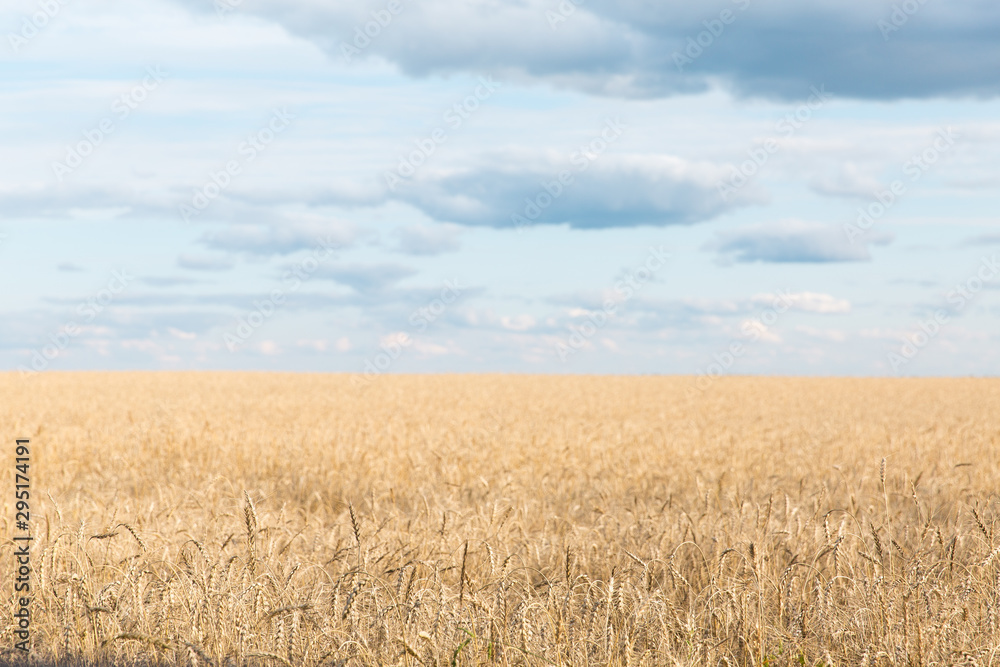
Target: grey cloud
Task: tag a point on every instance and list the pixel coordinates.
(793, 241)
(982, 239)
(607, 190)
(773, 48)
(848, 182)
(612, 191)
(366, 278)
(281, 239)
(69, 200)
(204, 263)
(427, 240)
(167, 281)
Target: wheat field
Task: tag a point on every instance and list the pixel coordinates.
(282, 519)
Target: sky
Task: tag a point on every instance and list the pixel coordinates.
(535, 186)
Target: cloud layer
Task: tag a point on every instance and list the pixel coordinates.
(869, 49)
(587, 192)
(792, 241)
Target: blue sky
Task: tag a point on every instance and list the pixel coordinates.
(732, 187)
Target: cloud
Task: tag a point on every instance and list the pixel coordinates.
(70, 267)
(182, 335)
(597, 192)
(79, 202)
(281, 239)
(268, 347)
(427, 240)
(33, 328)
(810, 302)
(204, 262)
(366, 277)
(521, 322)
(342, 344)
(981, 240)
(848, 182)
(158, 281)
(629, 48)
(832, 335)
(792, 241)
(642, 313)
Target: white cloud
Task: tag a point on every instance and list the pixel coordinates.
(833, 335)
(205, 262)
(813, 302)
(398, 338)
(183, 335)
(427, 240)
(761, 331)
(793, 241)
(520, 322)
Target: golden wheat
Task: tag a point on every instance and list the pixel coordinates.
(273, 519)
